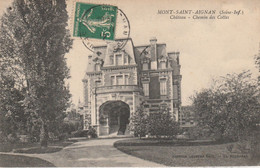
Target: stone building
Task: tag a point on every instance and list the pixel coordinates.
(120, 77)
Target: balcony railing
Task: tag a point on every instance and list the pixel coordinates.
(118, 88)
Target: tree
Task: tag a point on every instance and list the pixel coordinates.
(138, 122)
(162, 123)
(34, 40)
(157, 124)
(229, 109)
(257, 62)
(12, 116)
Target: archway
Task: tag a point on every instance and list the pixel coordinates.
(114, 117)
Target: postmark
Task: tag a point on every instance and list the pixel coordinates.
(97, 23)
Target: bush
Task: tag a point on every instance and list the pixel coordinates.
(160, 124)
(198, 133)
(85, 133)
(80, 133)
(92, 132)
(138, 123)
(3, 137)
(12, 138)
(230, 107)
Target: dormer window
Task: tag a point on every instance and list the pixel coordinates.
(111, 59)
(97, 67)
(97, 64)
(126, 59)
(145, 62)
(145, 66)
(162, 65)
(119, 59)
(162, 62)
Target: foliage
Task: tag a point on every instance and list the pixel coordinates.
(69, 127)
(138, 122)
(155, 124)
(80, 133)
(12, 115)
(257, 62)
(162, 124)
(34, 40)
(92, 132)
(230, 108)
(197, 132)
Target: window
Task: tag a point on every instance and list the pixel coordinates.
(119, 80)
(113, 81)
(97, 83)
(119, 60)
(146, 106)
(126, 59)
(112, 59)
(126, 79)
(97, 67)
(162, 65)
(146, 89)
(163, 87)
(145, 66)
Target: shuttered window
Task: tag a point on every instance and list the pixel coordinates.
(146, 89)
(163, 87)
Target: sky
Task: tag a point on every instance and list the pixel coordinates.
(208, 47)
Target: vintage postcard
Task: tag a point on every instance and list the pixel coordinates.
(146, 83)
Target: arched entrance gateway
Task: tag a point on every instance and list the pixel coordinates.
(114, 118)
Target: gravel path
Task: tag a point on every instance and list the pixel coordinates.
(92, 153)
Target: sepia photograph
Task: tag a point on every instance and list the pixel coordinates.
(109, 83)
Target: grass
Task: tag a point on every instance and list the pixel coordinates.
(34, 148)
(22, 161)
(184, 153)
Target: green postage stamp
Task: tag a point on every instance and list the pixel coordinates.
(95, 21)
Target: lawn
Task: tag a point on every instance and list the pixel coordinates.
(22, 161)
(34, 147)
(184, 153)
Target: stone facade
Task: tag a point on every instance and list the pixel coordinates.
(121, 74)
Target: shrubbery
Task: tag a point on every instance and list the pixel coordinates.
(159, 124)
(91, 132)
(230, 108)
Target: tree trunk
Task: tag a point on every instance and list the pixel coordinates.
(44, 136)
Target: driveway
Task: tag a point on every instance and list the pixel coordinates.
(93, 153)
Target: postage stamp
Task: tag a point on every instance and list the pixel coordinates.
(95, 21)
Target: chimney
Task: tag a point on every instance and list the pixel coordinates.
(178, 58)
(153, 40)
(153, 51)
